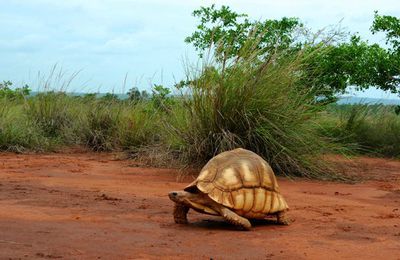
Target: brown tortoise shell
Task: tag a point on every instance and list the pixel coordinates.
(242, 181)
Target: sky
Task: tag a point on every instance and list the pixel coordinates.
(114, 45)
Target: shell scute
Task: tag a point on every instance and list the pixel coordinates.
(227, 199)
(238, 199)
(249, 174)
(217, 195)
(228, 179)
(248, 199)
(259, 199)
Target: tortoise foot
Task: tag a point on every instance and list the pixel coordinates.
(235, 219)
(283, 219)
(180, 213)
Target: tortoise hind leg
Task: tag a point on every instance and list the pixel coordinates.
(282, 218)
(180, 213)
(235, 219)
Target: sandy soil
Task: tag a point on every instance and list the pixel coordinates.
(94, 206)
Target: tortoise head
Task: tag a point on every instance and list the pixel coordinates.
(196, 200)
(180, 196)
(190, 193)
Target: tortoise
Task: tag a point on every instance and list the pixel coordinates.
(237, 185)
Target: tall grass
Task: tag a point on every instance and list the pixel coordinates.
(54, 119)
(50, 111)
(18, 132)
(139, 126)
(111, 125)
(369, 129)
(101, 128)
(264, 106)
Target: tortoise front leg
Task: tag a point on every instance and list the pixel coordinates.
(282, 218)
(180, 213)
(234, 218)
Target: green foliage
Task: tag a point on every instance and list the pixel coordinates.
(107, 126)
(134, 95)
(5, 85)
(230, 30)
(389, 25)
(161, 97)
(18, 93)
(356, 63)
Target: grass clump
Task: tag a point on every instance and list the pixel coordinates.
(370, 129)
(140, 126)
(264, 106)
(102, 124)
(116, 124)
(17, 132)
(50, 111)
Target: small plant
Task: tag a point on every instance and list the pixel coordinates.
(161, 97)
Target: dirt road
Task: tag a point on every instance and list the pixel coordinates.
(93, 206)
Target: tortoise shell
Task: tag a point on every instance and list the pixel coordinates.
(242, 181)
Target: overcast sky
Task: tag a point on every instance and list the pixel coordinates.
(107, 39)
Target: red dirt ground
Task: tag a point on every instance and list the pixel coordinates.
(95, 206)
